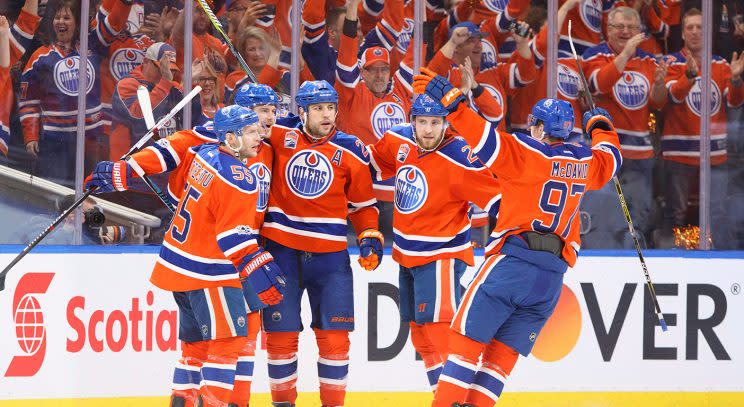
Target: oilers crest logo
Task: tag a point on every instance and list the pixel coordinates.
(568, 82)
(168, 128)
(67, 72)
(385, 116)
(499, 98)
(695, 96)
(309, 174)
(263, 176)
(631, 90)
(497, 6)
(591, 14)
(488, 55)
(411, 189)
(124, 61)
(405, 36)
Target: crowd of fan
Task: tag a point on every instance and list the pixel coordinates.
(641, 57)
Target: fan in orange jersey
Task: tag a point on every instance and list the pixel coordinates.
(680, 140)
(629, 83)
(211, 245)
(490, 86)
(13, 43)
(433, 173)
(321, 176)
(535, 240)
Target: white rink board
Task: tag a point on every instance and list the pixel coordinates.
(109, 283)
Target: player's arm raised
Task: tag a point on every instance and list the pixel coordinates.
(606, 157)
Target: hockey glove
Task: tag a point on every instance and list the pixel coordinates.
(597, 118)
(264, 276)
(108, 177)
(370, 249)
(438, 88)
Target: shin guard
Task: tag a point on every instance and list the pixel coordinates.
(498, 362)
(459, 370)
(333, 365)
(282, 363)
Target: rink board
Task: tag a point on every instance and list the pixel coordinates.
(92, 327)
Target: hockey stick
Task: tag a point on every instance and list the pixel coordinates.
(43, 234)
(77, 203)
(218, 26)
(590, 101)
(143, 96)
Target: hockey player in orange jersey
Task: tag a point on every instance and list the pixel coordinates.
(535, 240)
(210, 247)
(321, 176)
(434, 173)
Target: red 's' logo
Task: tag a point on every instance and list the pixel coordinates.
(29, 324)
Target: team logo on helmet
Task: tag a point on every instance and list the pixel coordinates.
(496, 6)
(385, 116)
(168, 128)
(411, 189)
(695, 96)
(591, 14)
(405, 36)
(499, 98)
(67, 72)
(488, 55)
(631, 90)
(568, 82)
(403, 151)
(309, 174)
(263, 175)
(124, 61)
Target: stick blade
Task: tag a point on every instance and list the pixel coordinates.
(143, 96)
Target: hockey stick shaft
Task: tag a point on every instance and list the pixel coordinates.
(221, 30)
(590, 102)
(41, 236)
(143, 96)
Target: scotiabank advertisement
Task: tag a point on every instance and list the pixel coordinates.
(90, 325)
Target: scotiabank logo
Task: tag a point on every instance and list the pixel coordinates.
(29, 324)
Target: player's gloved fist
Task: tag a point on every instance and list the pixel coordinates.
(264, 276)
(438, 88)
(597, 118)
(108, 177)
(370, 249)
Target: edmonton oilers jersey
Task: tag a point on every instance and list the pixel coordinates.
(433, 191)
(315, 185)
(214, 226)
(680, 140)
(626, 95)
(261, 165)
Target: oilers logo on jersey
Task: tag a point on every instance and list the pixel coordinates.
(309, 174)
(411, 189)
(263, 176)
(591, 14)
(488, 55)
(124, 61)
(568, 82)
(631, 90)
(66, 73)
(385, 116)
(694, 96)
(497, 6)
(405, 36)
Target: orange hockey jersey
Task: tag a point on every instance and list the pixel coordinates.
(432, 195)
(315, 186)
(261, 166)
(567, 79)
(680, 140)
(542, 184)
(214, 227)
(626, 95)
